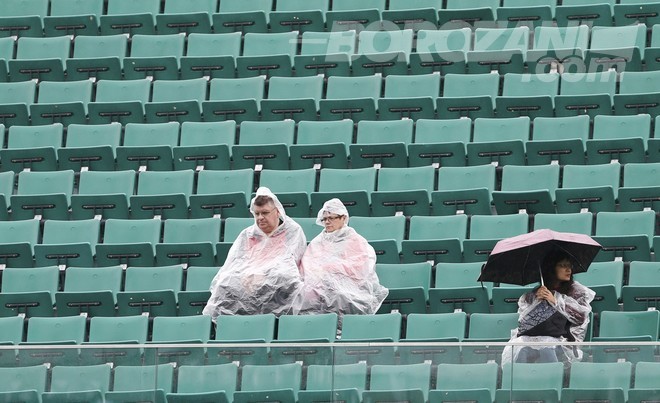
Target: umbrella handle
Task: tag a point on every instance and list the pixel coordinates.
(541, 276)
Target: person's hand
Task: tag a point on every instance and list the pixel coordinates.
(544, 294)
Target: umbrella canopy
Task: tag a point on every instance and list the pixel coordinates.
(517, 260)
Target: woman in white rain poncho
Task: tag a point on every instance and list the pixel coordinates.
(261, 273)
(339, 268)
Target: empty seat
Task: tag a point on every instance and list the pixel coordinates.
(53, 331)
(292, 98)
(464, 190)
(382, 52)
(585, 94)
(385, 234)
(154, 56)
(211, 55)
(241, 16)
(591, 188)
(499, 141)
(443, 51)
(499, 50)
(486, 230)
(130, 17)
(217, 382)
(23, 18)
(625, 235)
(641, 293)
(146, 382)
(97, 57)
(17, 240)
(619, 139)
(264, 145)
(189, 242)
(607, 381)
(466, 381)
(68, 17)
(162, 194)
(90, 147)
(300, 15)
(301, 329)
(88, 383)
(40, 59)
(485, 327)
(32, 148)
(89, 291)
(29, 291)
(242, 329)
(351, 98)
(179, 330)
(193, 300)
(522, 380)
(527, 189)
(342, 381)
(620, 48)
(176, 100)
(556, 49)
(128, 242)
(645, 382)
(606, 280)
(280, 382)
(381, 143)
(353, 187)
(150, 291)
(23, 383)
(519, 12)
(204, 145)
(267, 54)
(435, 239)
(437, 327)
(186, 18)
(404, 191)
(62, 102)
(409, 96)
(322, 144)
(440, 142)
(392, 382)
(103, 194)
(292, 188)
(416, 15)
(618, 327)
(408, 286)
(634, 96)
(456, 291)
(585, 12)
(148, 146)
(236, 99)
(470, 96)
(558, 140)
(366, 328)
(120, 101)
(326, 53)
(457, 13)
(348, 15)
(579, 223)
(68, 243)
(123, 332)
(222, 194)
(15, 99)
(528, 95)
(43, 194)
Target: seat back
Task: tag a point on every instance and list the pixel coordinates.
(103, 46)
(131, 231)
(353, 87)
(192, 230)
(157, 183)
(246, 327)
(145, 377)
(449, 40)
(492, 326)
(151, 134)
(23, 378)
(258, 133)
(222, 89)
(154, 278)
(179, 90)
(157, 45)
(625, 324)
(181, 328)
(271, 377)
(106, 182)
(70, 328)
(327, 43)
(364, 327)
(80, 378)
(401, 377)
(343, 180)
(123, 90)
(498, 227)
(207, 378)
(436, 325)
(297, 327)
(85, 279)
(104, 329)
(501, 129)
(43, 48)
(329, 377)
(79, 231)
(35, 136)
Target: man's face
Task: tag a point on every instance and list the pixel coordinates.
(267, 217)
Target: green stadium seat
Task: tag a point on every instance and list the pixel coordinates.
(585, 12)
(630, 12)
(186, 330)
(267, 54)
(456, 290)
(619, 48)
(292, 188)
(468, 96)
(68, 243)
(527, 189)
(322, 144)
(505, 297)
(299, 15)
(486, 230)
(17, 240)
(242, 329)
(6, 190)
(441, 51)
(197, 383)
(10, 333)
(464, 190)
(346, 382)
(353, 187)
(97, 57)
(42, 195)
(654, 146)
(382, 52)
(499, 50)
(499, 141)
(189, 17)
(29, 291)
(90, 147)
(269, 383)
(646, 386)
(529, 95)
(294, 98)
(189, 242)
(23, 18)
(408, 285)
(71, 17)
(403, 191)
(264, 145)
(634, 96)
(88, 383)
(23, 383)
(591, 188)
(440, 142)
(32, 148)
(119, 101)
(52, 331)
(558, 140)
(485, 327)
(150, 291)
(586, 94)
(301, 329)
(579, 223)
(349, 15)
(368, 328)
(410, 97)
(211, 55)
(204, 145)
(619, 138)
(103, 194)
(222, 194)
(415, 15)
(236, 99)
(435, 327)
(326, 53)
(558, 49)
(523, 380)
(476, 382)
(128, 242)
(15, 99)
(39, 58)
(606, 279)
(618, 327)
(385, 234)
(176, 101)
(241, 16)
(90, 291)
(154, 56)
(193, 300)
(144, 383)
(61, 102)
(148, 146)
(409, 382)
(641, 292)
(625, 235)
(351, 98)
(435, 239)
(477, 14)
(162, 194)
(130, 17)
(602, 381)
(524, 13)
(382, 143)
(123, 332)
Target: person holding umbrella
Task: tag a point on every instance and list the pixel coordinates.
(558, 309)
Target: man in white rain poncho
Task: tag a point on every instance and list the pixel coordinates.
(261, 273)
(339, 268)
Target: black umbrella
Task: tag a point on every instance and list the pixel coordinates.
(517, 260)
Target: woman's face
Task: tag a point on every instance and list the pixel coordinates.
(563, 270)
(333, 222)
(267, 217)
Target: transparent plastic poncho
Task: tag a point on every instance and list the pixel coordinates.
(575, 306)
(339, 271)
(261, 273)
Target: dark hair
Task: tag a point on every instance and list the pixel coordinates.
(550, 275)
(262, 201)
